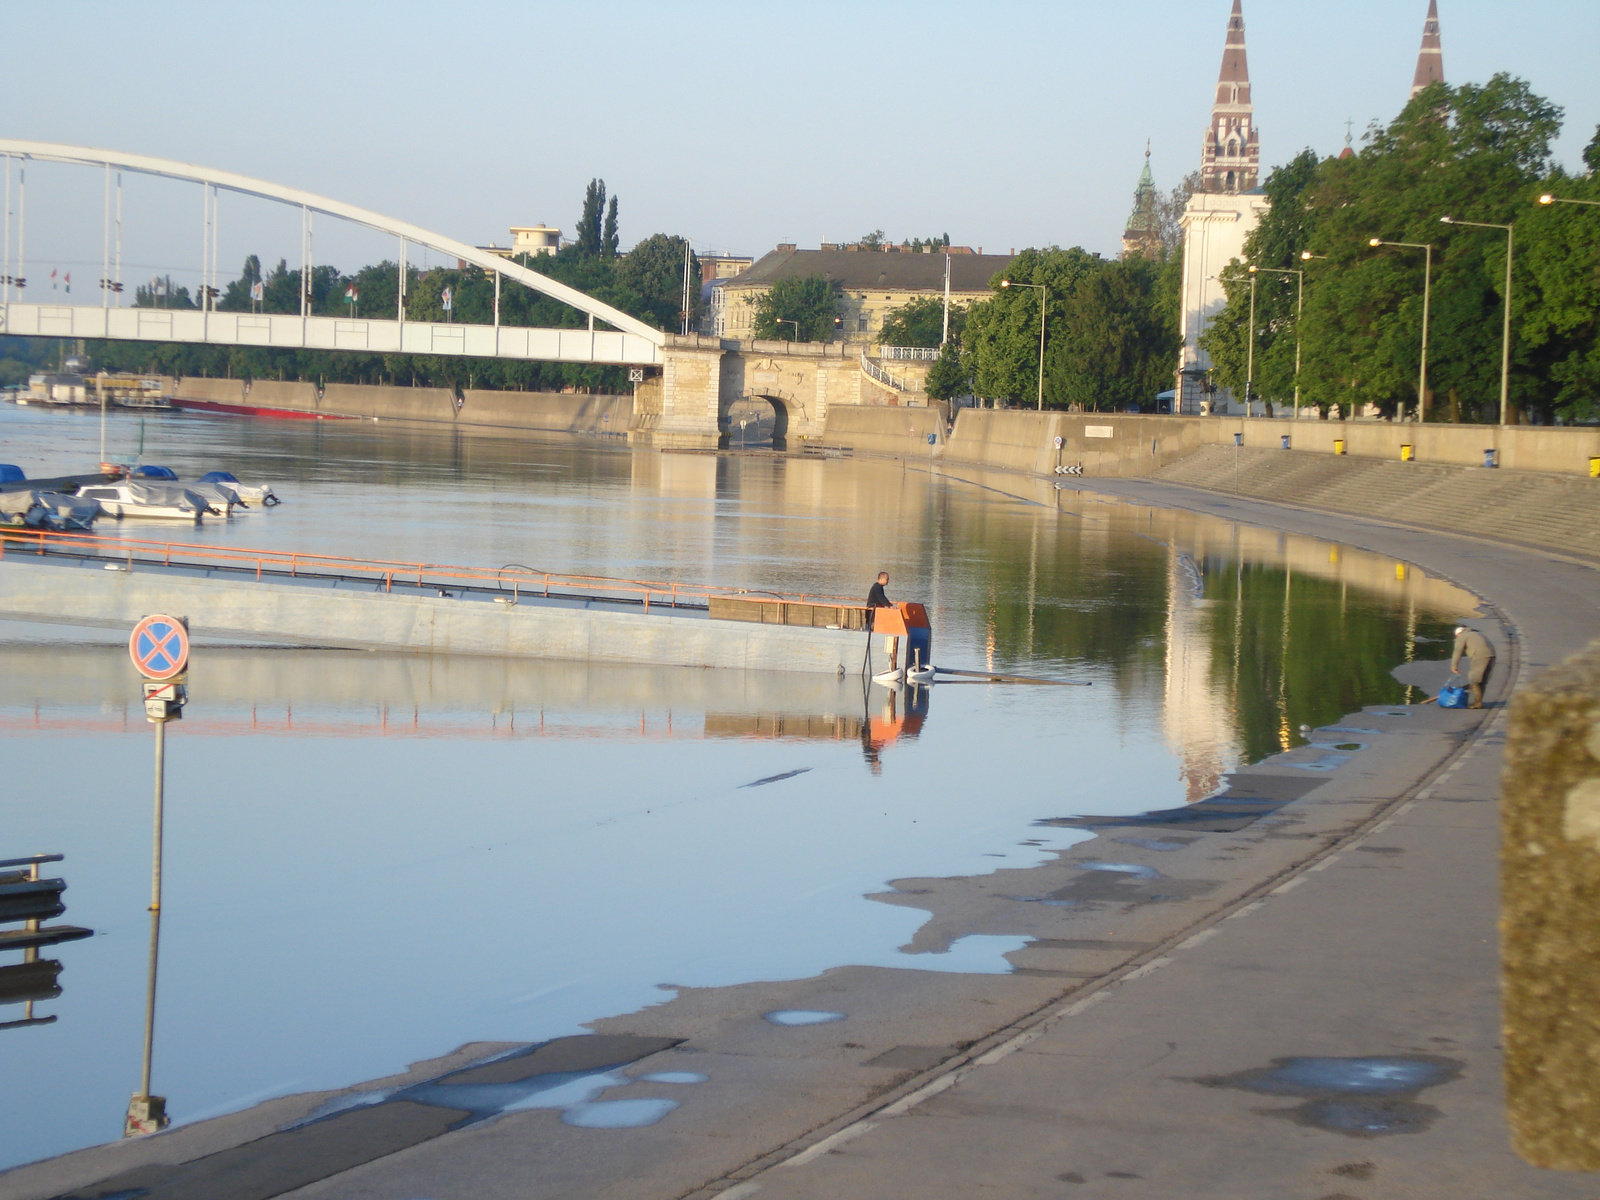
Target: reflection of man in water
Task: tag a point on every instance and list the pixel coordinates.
(878, 598)
(1475, 646)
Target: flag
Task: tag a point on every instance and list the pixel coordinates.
(351, 294)
(256, 290)
(54, 286)
(449, 299)
(69, 281)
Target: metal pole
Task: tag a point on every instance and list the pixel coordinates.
(105, 269)
(118, 276)
(22, 224)
(1422, 377)
(400, 286)
(945, 336)
(155, 913)
(1299, 314)
(1042, 296)
(497, 299)
(1250, 369)
(5, 290)
(205, 239)
(1505, 344)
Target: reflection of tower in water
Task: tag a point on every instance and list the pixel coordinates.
(1196, 718)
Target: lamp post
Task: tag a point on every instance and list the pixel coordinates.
(1427, 288)
(1043, 294)
(787, 321)
(1505, 340)
(1250, 358)
(1548, 200)
(1299, 311)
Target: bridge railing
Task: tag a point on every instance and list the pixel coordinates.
(266, 565)
(908, 353)
(879, 375)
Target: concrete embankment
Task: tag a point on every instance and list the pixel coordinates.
(540, 412)
(1541, 495)
(361, 615)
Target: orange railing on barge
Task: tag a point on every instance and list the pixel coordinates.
(727, 602)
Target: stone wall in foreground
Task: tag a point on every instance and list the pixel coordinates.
(1550, 916)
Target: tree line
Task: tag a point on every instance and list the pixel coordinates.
(1475, 153)
(645, 282)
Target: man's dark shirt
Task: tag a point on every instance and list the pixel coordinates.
(876, 599)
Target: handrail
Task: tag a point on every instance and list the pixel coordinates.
(389, 572)
(878, 375)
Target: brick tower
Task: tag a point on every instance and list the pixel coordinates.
(1430, 63)
(1231, 161)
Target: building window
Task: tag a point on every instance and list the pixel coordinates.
(863, 322)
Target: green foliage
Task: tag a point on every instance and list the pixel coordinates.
(591, 237)
(1111, 331)
(161, 292)
(920, 322)
(651, 281)
(609, 238)
(1476, 153)
(947, 378)
(808, 302)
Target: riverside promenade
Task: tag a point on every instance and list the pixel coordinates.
(1143, 1049)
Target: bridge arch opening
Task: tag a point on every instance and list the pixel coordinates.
(755, 420)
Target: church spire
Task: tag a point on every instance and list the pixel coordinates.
(1231, 159)
(1430, 63)
(1143, 234)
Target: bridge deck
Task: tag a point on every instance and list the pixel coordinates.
(327, 333)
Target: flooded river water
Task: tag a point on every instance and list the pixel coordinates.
(371, 859)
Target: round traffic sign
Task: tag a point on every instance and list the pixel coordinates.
(159, 647)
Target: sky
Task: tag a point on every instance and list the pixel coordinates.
(1006, 124)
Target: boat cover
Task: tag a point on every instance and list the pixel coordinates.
(69, 512)
(164, 495)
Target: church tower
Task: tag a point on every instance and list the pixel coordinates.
(1430, 63)
(1231, 160)
(1142, 238)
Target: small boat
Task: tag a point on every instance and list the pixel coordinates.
(47, 510)
(10, 473)
(248, 493)
(135, 498)
(217, 497)
(151, 471)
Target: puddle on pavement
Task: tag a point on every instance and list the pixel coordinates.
(1151, 843)
(802, 1016)
(1131, 869)
(1358, 1097)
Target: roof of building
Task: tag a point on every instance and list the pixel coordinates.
(868, 269)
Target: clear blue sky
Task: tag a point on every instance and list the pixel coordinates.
(1006, 124)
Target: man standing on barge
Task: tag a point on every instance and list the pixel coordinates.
(878, 598)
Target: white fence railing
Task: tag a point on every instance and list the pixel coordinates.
(879, 375)
(908, 353)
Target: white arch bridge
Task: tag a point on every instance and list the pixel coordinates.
(629, 341)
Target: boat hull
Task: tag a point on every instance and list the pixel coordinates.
(253, 410)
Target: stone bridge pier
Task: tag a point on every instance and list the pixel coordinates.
(685, 405)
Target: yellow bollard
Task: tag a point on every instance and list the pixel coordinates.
(1406, 454)
(1594, 468)
(1338, 445)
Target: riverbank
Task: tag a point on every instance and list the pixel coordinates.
(1400, 966)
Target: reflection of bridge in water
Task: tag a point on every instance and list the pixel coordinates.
(689, 383)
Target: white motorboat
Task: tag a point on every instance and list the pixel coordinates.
(248, 493)
(133, 498)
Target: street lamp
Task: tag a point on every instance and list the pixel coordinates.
(1427, 286)
(787, 321)
(1547, 199)
(1043, 294)
(1299, 311)
(1250, 360)
(1505, 341)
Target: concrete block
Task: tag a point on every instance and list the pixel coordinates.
(1550, 921)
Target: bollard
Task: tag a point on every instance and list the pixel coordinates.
(1338, 445)
(1405, 452)
(1238, 439)
(1594, 467)
(1490, 458)
(1283, 440)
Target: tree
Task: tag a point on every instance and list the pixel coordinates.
(920, 322)
(651, 279)
(590, 235)
(807, 302)
(1117, 341)
(236, 296)
(609, 239)
(1169, 213)
(947, 378)
(1000, 344)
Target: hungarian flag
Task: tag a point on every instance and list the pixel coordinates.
(351, 294)
(69, 281)
(54, 286)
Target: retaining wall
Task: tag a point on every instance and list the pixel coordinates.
(1550, 916)
(1133, 445)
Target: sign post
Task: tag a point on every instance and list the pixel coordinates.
(159, 647)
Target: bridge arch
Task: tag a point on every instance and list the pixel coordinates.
(245, 185)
